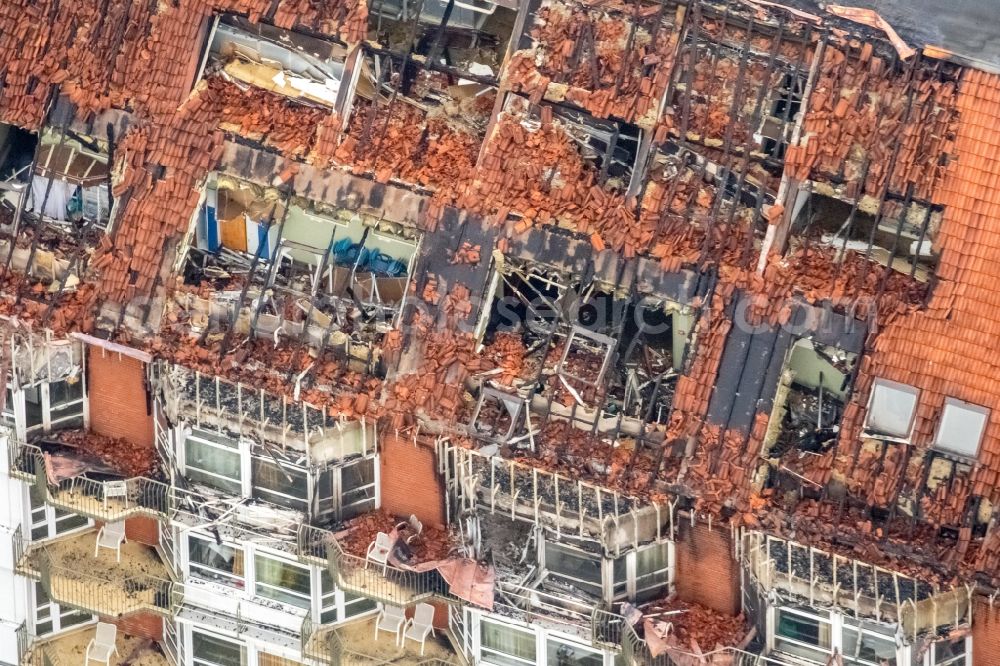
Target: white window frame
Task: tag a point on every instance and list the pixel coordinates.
(964, 660)
(852, 624)
(836, 621)
(285, 561)
(473, 622)
(612, 590)
(55, 614)
(305, 501)
(244, 448)
(47, 516)
(15, 408)
(242, 582)
(896, 386)
(245, 650)
(241, 449)
(960, 406)
(344, 609)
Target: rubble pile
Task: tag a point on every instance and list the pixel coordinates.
(432, 544)
(693, 626)
(117, 452)
(267, 117)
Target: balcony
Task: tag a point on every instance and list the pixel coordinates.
(401, 587)
(70, 649)
(355, 644)
(74, 577)
(824, 578)
(103, 499)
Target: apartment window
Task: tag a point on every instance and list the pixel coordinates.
(331, 598)
(283, 485)
(804, 633)
(50, 617)
(891, 409)
(561, 653)
(217, 562)
(868, 644)
(357, 488)
(48, 522)
(9, 416)
(961, 428)
(652, 572)
(209, 650)
(214, 460)
(575, 567)
(951, 653)
(504, 645)
(350, 490)
(282, 581)
(65, 404)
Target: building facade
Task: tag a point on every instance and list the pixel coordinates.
(548, 333)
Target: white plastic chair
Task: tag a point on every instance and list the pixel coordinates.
(414, 526)
(102, 645)
(111, 536)
(421, 624)
(115, 489)
(390, 618)
(378, 551)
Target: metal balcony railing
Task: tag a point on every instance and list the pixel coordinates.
(105, 595)
(353, 573)
(102, 500)
(29, 653)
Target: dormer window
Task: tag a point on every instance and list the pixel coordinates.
(961, 428)
(891, 410)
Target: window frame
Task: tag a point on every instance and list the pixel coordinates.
(47, 517)
(199, 661)
(15, 412)
(55, 614)
(203, 437)
(239, 582)
(484, 650)
(897, 386)
(957, 404)
(305, 597)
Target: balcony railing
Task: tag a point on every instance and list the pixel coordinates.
(822, 578)
(110, 595)
(353, 573)
(102, 500)
(30, 653)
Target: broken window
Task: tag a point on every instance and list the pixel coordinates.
(282, 581)
(950, 652)
(810, 401)
(279, 482)
(70, 181)
(868, 644)
(891, 409)
(348, 491)
(212, 560)
(47, 406)
(961, 428)
(303, 68)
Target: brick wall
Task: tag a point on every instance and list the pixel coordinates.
(410, 482)
(706, 571)
(985, 635)
(117, 392)
(144, 625)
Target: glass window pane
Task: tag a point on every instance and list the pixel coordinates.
(215, 562)
(949, 652)
(361, 473)
(63, 392)
(212, 650)
(73, 618)
(582, 570)
(808, 636)
(505, 645)
(282, 581)
(891, 409)
(215, 466)
(961, 428)
(32, 407)
(355, 604)
(282, 485)
(567, 654)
